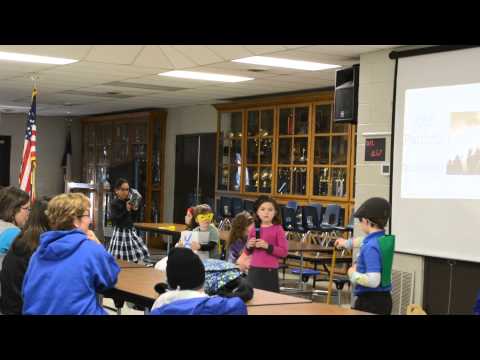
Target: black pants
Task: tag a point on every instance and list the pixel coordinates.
(375, 302)
(263, 278)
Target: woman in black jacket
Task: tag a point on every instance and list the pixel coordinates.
(125, 243)
(18, 256)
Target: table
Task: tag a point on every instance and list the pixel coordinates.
(162, 228)
(303, 309)
(136, 285)
(302, 247)
(129, 265)
(266, 298)
(306, 247)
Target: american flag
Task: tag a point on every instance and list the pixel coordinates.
(27, 170)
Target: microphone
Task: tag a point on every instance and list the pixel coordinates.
(257, 229)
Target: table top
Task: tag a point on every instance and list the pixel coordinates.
(128, 264)
(264, 298)
(141, 282)
(162, 227)
(292, 244)
(322, 258)
(303, 309)
(299, 246)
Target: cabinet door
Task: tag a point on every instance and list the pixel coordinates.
(230, 150)
(436, 289)
(465, 287)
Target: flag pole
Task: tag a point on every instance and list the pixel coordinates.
(33, 182)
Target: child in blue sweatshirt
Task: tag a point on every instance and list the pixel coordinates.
(476, 309)
(186, 277)
(70, 266)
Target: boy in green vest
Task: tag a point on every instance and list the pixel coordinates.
(372, 272)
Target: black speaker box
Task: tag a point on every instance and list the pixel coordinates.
(346, 94)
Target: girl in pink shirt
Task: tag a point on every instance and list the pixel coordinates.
(267, 244)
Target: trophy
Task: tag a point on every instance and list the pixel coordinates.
(303, 159)
(266, 178)
(224, 177)
(323, 183)
(339, 183)
(255, 178)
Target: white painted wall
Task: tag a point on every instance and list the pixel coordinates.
(182, 121)
(375, 115)
(51, 137)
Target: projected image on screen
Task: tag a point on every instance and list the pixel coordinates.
(441, 143)
(465, 132)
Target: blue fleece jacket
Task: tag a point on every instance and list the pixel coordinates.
(6, 239)
(208, 305)
(476, 309)
(65, 273)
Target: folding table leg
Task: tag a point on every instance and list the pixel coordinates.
(332, 271)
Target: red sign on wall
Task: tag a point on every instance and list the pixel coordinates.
(375, 149)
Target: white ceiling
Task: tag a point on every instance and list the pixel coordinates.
(82, 88)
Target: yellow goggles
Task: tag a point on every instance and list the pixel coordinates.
(204, 217)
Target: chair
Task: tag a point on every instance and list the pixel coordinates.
(306, 222)
(226, 207)
(226, 212)
(320, 209)
(248, 205)
(299, 220)
(288, 219)
(310, 218)
(331, 220)
(292, 204)
(237, 206)
(349, 227)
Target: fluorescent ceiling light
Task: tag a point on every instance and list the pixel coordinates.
(285, 63)
(34, 58)
(195, 75)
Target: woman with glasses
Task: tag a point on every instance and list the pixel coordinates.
(125, 243)
(14, 211)
(69, 267)
(16, 261)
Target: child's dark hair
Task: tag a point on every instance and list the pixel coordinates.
(119, 183)
(36, 224)
(193, 223)
(239, 224)
(277, 220)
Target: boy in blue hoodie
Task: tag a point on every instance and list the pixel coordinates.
(70, 266)
(186, 277)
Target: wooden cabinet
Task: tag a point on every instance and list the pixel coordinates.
(130, 145)
(288, 147)
(259, 151)
(450, 286)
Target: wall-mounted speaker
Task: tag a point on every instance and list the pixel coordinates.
(346, 94)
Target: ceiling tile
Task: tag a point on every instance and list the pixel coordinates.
(114, 54)
(264, 49)
(178, 60)
(199, 54)
(230, 52)
(153, 56)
